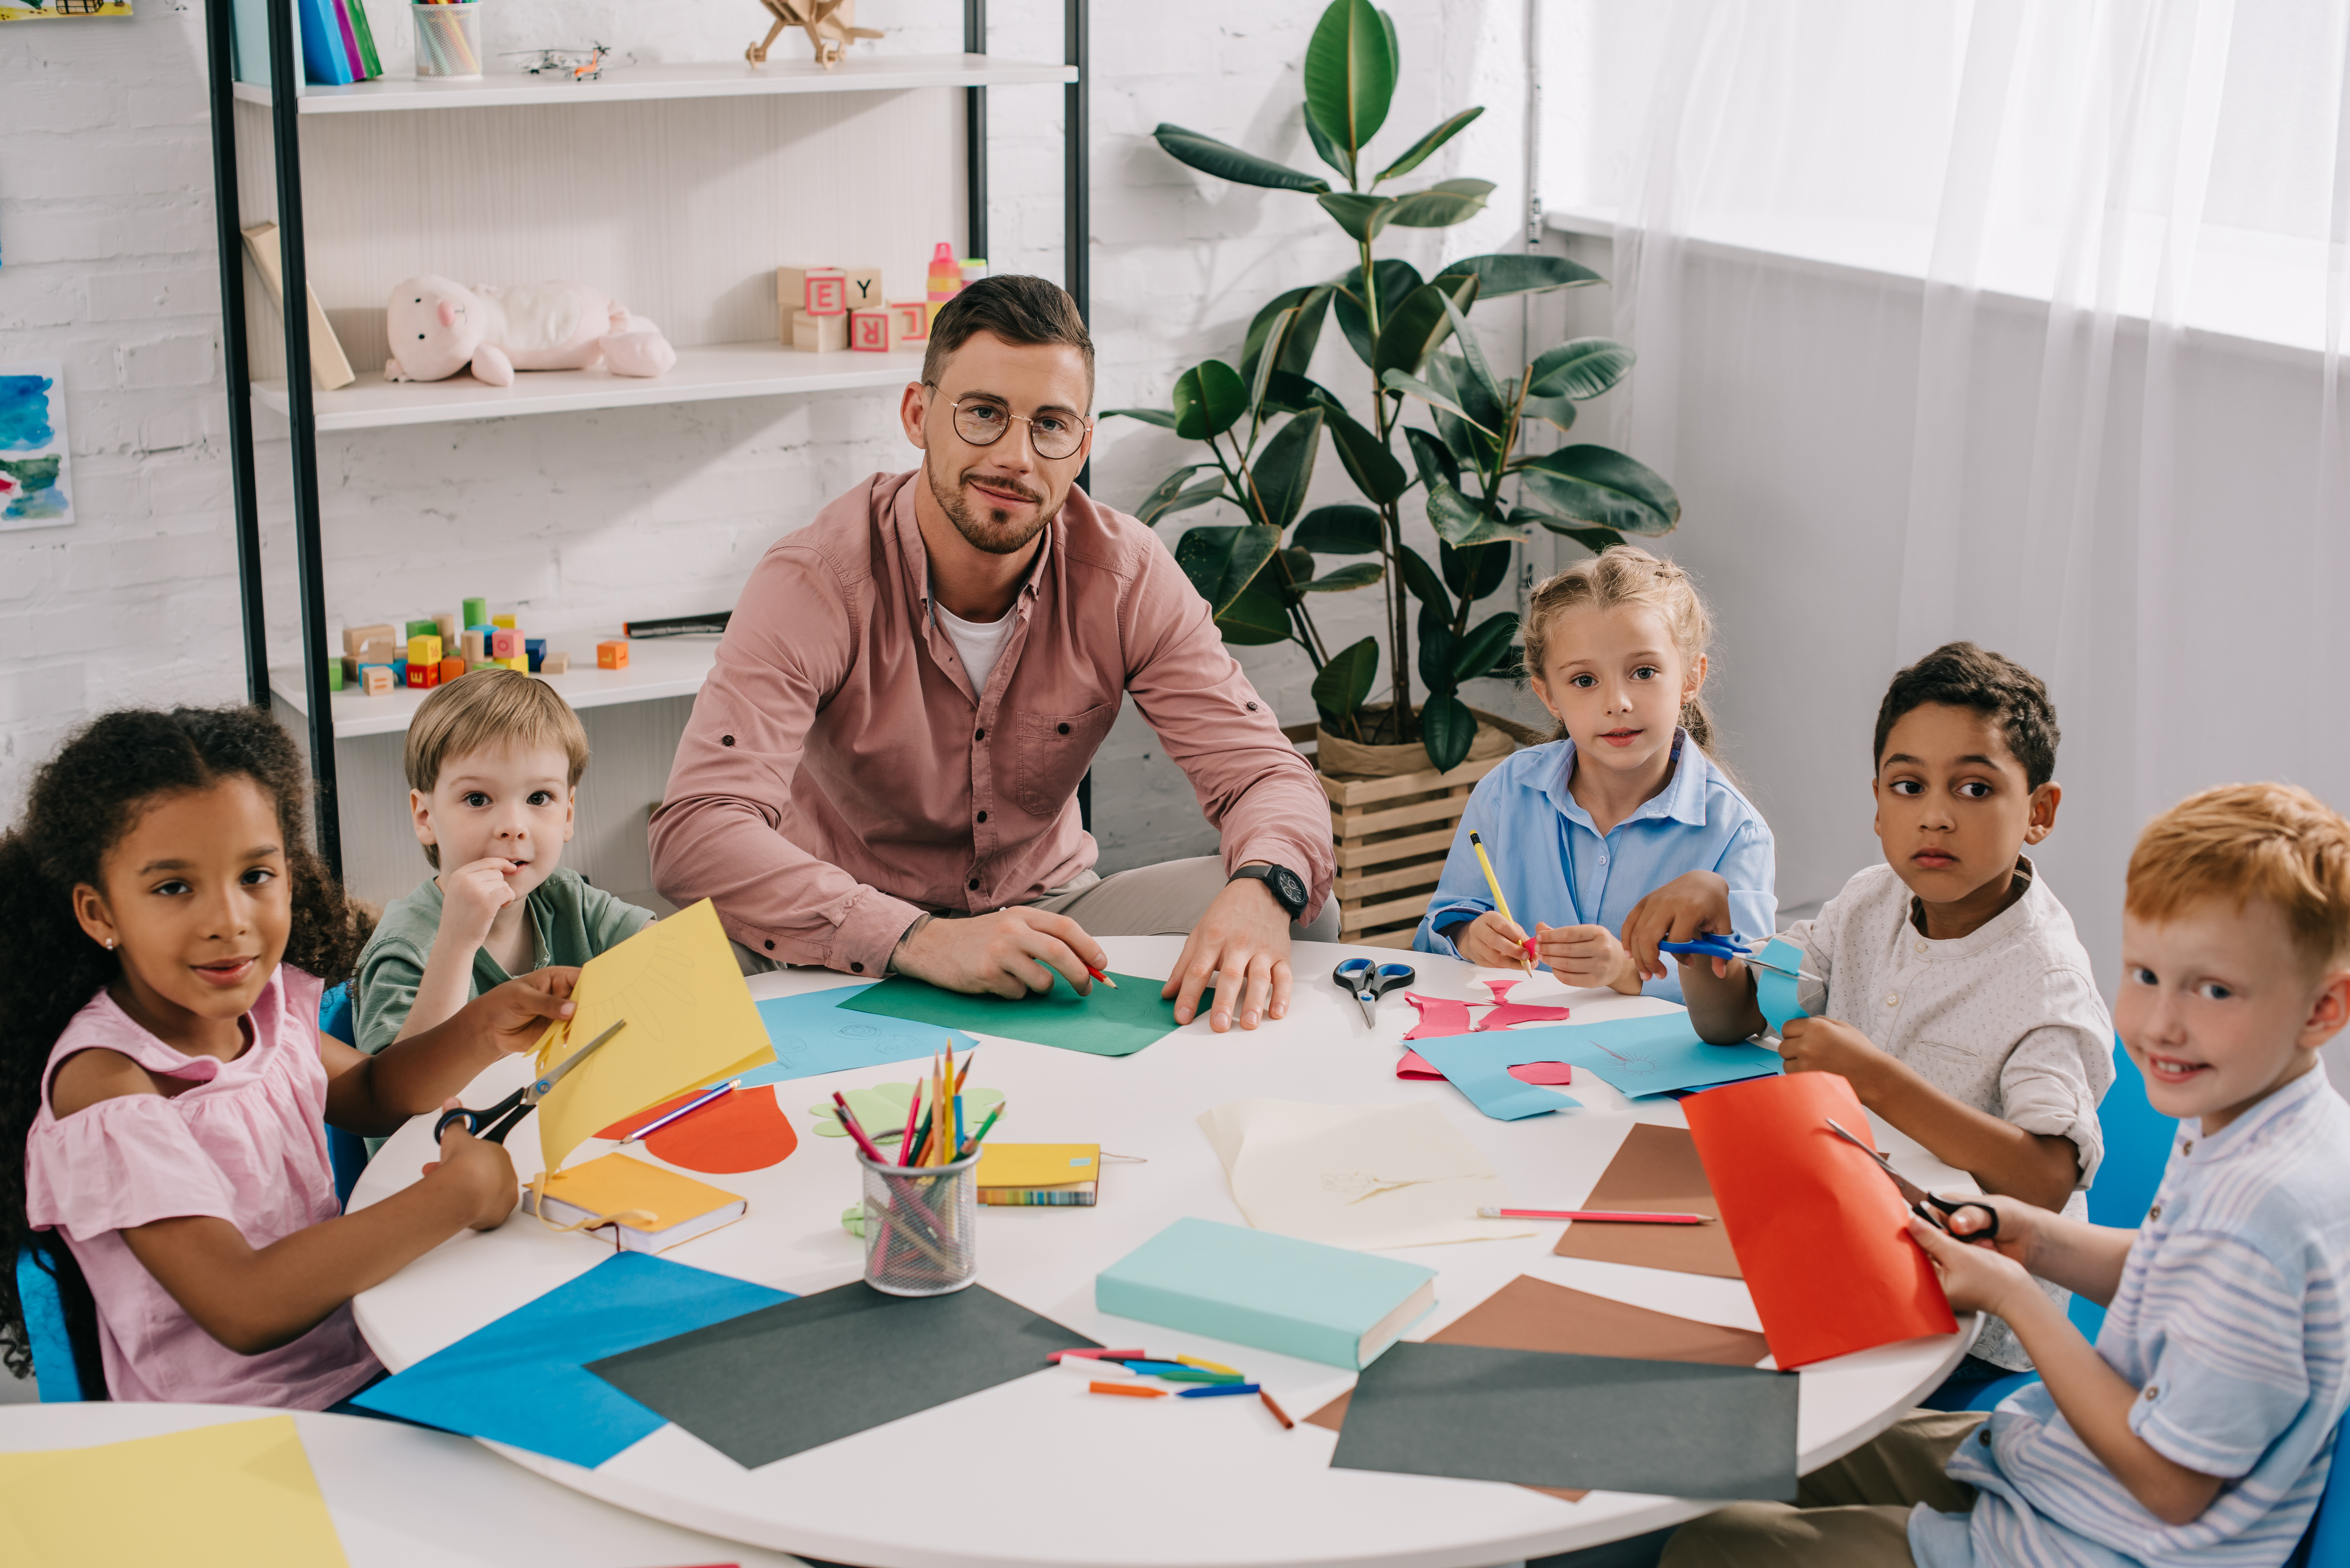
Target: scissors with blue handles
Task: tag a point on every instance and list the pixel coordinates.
(1368, 983)
(1938, 1215)
(507, 1113)
(1711, 946)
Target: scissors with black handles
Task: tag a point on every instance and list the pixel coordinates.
(1367, 982)
(507, 1113)
(1942, 1208)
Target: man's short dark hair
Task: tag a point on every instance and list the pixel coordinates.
(1018, 307)
(1960, 675)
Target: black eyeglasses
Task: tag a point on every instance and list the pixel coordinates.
(981, 422)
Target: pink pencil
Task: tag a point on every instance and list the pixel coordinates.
(905, 1139)
(1611, 1216)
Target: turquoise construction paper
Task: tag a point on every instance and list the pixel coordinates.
(1479, 1067)
(521, 1380)
(816, 1033)
(1775, 994)
(1637, 1056)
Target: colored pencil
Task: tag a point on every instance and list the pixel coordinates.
(922, 1137)
(1279, 1414)
(964, 1076)
(1099, 975)
(1501, 905)
(1607, 1216)
(905, 1139)
(981, 1133)
(1096, 1356)
(958, 1126)
(855, 1130)
(1214, 1390)
(721, 1092)
(1131, 1390)
(1207, 1366)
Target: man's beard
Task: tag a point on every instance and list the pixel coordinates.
(988, 528)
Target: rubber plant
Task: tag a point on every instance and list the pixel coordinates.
(1263, 424)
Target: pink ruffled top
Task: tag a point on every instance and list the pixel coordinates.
(247, 1144)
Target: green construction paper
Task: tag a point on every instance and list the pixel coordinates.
(1107, 1024)
(804, 1373)
(1591, 1422)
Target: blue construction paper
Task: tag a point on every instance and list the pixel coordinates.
(1479, 1067)
(813, 1034)
(521, 1380)
(1775, 994)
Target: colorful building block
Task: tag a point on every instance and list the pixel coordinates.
(452, 667)
(911, 319)
(423, 646)
(505, 643)
(446, 628)
(871, 331)
(827, 292)
(475, 645)
(507, 621)
(556, 664)
(864, 289)
(819, 334)
(415, 628)
(424, 676)
(399, 672)
(334, 675)
(519, 664)
(475, 613)
(358, 639)
(376, 680)
(611, 655)
(534, 649)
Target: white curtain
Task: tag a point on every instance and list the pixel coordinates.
(2008, 320)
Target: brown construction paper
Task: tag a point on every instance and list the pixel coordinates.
(1656, 1170)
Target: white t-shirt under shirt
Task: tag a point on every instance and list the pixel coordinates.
(979, 643)
(2006, 1019)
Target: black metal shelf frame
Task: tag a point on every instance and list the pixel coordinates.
(301, 415)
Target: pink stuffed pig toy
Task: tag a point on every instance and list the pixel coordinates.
(439, 327)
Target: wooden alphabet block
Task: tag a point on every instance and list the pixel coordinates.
(418, 628)
(819, 334)
(864, 288)
(376, 680)
(556, 664)
(785, 317)
(519, 664)
(505, 643)
(790, 286)
(423, 648)
(358, 639)
(827, 292)
(506, 622)
(399, 672)
(452, 667)
(447, 626)
(534, 649)
(424, 676)
(871, 331)
(911, 319)
(611, 656)
(475, 645)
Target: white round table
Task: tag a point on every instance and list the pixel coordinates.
(403, 1497)
(1038, 1471)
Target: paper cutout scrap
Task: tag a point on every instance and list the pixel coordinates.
(1500, 988)
(1822, 1238)
(1651, 1055)
(1440, 1016)
(1655, 1170)
(1479, 1067)
(881, 1110)
(817, 1033)
(1443, 1016)
(1510, 1015)
(690, 1017)
(746, 1130)
(1414, 1066)
(240, 1493)
(521, 1379)
(1774, 993)
(1362, 1177)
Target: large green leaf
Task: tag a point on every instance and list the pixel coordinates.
(1226, 161)
(1599, 487)
(1372, 467)
(1412, 386)
(1580, 369)
(1592, 539)
(1221, 561)
(1154, 503)
(1285, 467)
(1515, 272)
(1285, 393)
(1294, 567)
(1425, 584)
(1447, 729)
(1417, 153)
(1210, 398)
(1340, 686)
(1350, 72)
(1558, 413)
(1458, 520)
(1471, 446)
(1360, 575)
(1294, 336)
(1441, 205)
(1160, 416)
(1361, 216)
(1339, 531)
(1477, 391)
(1260, 614)
(1329, 151)
(1183, 500)
(1429, 456)
(1397, 279)
(1477, 571)
(1420, 321)
(1484, 645)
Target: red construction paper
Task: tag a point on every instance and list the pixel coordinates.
(1414, 1066)
(1821, 1238)
(1439, 1016)
(746, 1130)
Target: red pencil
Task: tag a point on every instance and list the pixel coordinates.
(1610, 1216)
(1101, 977)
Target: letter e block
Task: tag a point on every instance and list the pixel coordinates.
(827, 293)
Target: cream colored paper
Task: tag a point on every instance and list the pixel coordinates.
(691, 1020)
(235, 1496)
(1364, 1177)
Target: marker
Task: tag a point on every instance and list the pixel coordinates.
(1214, 1390)
(721, 1092)
(1501, 904)
(1607, 1216)
(1131, 1390)
(1120, 1355)
(1100, 976)
(1208, 1366)
(1279, 1414)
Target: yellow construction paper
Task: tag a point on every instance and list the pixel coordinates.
(235, 1495)
(690, 1019)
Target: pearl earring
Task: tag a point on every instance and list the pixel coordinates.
(109, 944)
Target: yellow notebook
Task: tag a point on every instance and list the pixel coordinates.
(1047, 1175)
(611, 1197)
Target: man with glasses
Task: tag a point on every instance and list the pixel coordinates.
(880, 775)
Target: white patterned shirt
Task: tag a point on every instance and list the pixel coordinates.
(2229, 1319)
(2006, 1019)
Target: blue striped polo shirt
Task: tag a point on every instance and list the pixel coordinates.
(2229, 1320)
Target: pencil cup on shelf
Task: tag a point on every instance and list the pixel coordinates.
(920, 1224)
(448, 39)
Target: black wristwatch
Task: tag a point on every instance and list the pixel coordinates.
(1280, 882)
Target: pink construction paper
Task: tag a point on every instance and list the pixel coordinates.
(1439, 1016)
(1510, 1012)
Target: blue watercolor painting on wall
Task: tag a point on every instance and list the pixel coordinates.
(35, 475)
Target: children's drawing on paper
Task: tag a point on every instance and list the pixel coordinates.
(35, 475)
(37, 10)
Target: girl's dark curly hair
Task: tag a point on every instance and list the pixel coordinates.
(82, 801)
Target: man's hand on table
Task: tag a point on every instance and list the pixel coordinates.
(1008, 953)
(1243, 941)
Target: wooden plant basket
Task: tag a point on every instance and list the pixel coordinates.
(1393, 834)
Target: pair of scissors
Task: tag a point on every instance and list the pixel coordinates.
(1918, 1198)
(1368, 983)
(1710, 946)
(507, 1113)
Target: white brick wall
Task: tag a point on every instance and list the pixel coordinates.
(105, 229)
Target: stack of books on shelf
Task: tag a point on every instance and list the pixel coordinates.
(337, 46)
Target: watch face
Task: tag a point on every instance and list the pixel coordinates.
(1288, 888)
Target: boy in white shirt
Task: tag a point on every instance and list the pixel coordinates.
(2200, 1429)
(1957, 1000)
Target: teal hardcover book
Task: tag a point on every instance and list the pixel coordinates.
(1276, 1293)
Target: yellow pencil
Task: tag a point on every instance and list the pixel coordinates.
(1501, 905)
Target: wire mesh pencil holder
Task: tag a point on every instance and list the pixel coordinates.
(920, 1227)
(448, 40)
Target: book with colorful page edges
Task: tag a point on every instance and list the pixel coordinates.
(1822, 1238)
(639, 1208)
(1040, 1175)
(690, 1020)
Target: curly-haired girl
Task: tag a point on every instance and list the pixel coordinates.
(163, 1084)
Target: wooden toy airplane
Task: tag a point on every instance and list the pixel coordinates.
(830, 24)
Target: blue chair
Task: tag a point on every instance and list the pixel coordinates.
(2328, 1541)
(63, 1373)
(346, 1151)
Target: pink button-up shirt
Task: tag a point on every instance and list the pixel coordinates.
(840, 778)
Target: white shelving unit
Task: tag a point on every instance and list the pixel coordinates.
(638, 84)
(658, 668)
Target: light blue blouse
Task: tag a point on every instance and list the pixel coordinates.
(1555, 867)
